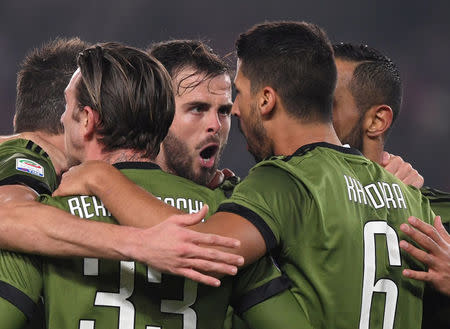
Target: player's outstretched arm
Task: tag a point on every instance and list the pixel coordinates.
(144, 210)
(436, 241)
(169, 247)
(402, 170)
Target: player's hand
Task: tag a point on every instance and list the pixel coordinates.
(402, 170)
(436, 241)
(80, 180)
(172, 248)
(219, 177)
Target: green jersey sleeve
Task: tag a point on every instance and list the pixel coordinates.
(12, 317)
(282, 311)
(262, 299)
(23, 162)
(250, 200)
(20, 284)
(440, 203)
(256, 283)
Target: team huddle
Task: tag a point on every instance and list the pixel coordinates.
(114, 213)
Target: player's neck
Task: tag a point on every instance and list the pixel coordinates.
(290, 137)
(124, 155)
(373, 150)
(55, 140)
(162, 162)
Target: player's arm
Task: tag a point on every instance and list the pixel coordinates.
(169, 247)
(436, 242)
(16, 193)
(145, 210)
(115, 189)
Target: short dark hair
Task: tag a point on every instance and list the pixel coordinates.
(177, 55)
(294, 58)
(43, 75)
(376, 79)
(132, 94)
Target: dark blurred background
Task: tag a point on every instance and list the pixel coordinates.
(416, 35)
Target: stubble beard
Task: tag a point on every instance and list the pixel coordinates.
(179, 162)
(356, 136)
(259, 143)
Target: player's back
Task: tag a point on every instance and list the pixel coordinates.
(103, 294)
(340, 242)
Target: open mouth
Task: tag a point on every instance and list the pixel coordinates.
(208, 155)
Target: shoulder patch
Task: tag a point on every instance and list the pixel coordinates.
(29, 166)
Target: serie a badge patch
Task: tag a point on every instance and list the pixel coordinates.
(29, 166)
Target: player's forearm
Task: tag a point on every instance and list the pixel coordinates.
(130, 204)
(35, 228)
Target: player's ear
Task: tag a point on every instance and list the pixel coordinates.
(89, 120)
(377, 120)
(267, 100)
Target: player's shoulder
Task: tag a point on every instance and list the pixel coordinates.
(435, 195)
(24, 162)
(25, 146)
(316, 155)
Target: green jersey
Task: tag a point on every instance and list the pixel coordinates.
(22, 162)
(104, 294)
(331, 219)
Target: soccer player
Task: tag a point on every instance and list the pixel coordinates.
(199, 131)
(26, 169)
(113, 74)
(329, 216)
(367, 102)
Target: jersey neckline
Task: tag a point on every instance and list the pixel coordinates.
(136, 165)
(309, 147)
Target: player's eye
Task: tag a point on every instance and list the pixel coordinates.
(199, 108)
(225, 111)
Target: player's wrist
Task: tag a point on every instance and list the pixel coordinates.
(126, 245)
(99, 178)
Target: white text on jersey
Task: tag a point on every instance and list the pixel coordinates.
(377, 195)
